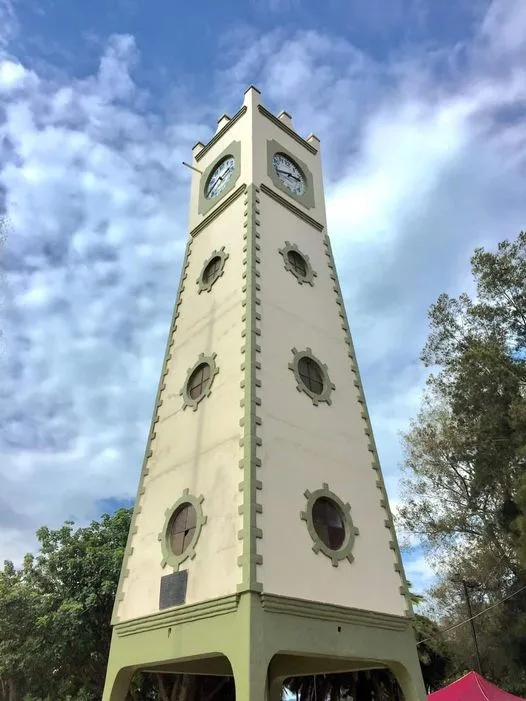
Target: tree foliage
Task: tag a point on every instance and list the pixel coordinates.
(55, 611)
(464, 477)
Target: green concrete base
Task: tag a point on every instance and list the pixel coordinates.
(262, 640)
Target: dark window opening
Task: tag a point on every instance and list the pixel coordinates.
(310, 375)
(298, 263)
(328, 523)
(212, 269)
(182, 528)
(199, 381)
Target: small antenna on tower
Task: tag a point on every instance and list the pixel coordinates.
(192, 168)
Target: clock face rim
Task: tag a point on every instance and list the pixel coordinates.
(296, 167)
(209, 195)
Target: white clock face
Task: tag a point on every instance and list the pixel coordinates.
(289, 173)
(220, 177)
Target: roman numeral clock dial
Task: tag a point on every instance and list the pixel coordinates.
(220, 177)
(289, 173)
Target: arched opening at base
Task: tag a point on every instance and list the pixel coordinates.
(358, 685)
(208, 677)
(166, 686)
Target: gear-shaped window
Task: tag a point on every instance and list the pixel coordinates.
(312, 376)
(181, 530)
(199, 381)
(297, 263)
(212, 270)
(330, 525)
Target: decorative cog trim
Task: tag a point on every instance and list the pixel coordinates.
(169, 557)
(187, 399)
(309, 273)
(206, 285)
(345, 551)
(328, 386)
(250, 441)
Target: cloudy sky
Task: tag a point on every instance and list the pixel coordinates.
(421, 114)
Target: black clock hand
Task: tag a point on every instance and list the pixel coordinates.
(216, 182)
(287, 174)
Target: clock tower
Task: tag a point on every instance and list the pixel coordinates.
(261, 545)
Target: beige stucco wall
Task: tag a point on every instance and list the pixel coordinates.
(304, 445)
(197, 450)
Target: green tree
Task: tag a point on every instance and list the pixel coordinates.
(464, 477)
(55, 614)
(55, 611)
(433, 652)
(76, 571)
(19, 608)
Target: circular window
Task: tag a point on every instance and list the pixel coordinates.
(199, 380)
(297, 263)
(311, 376)
(328, 523)
(212, 270)
(181, 529)
(183, 523)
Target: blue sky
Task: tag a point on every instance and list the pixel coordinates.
(421, 115)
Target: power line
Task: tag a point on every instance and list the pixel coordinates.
(488, 608)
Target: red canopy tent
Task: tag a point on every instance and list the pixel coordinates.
(472, 687)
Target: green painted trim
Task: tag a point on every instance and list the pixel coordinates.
(292, 208)
(343, 553)
(269, 639)
(204, 204)
(219, 210)
(273, 603)
(307, 198)
(264, 111)
(178, 615)
(213, 141)
(250, 441)
(169, 557)
(375, 462)
(151, 434)
(310, 274)
(206, 285)
(328, 386)
(187, 399)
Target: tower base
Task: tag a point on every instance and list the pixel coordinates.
(263, 639)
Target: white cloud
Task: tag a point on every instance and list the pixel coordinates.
(98, 225)
(424, 159)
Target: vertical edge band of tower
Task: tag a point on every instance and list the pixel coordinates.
(250, 441)
(151, 434)
(375, 462)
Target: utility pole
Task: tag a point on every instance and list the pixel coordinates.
(468, 584)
